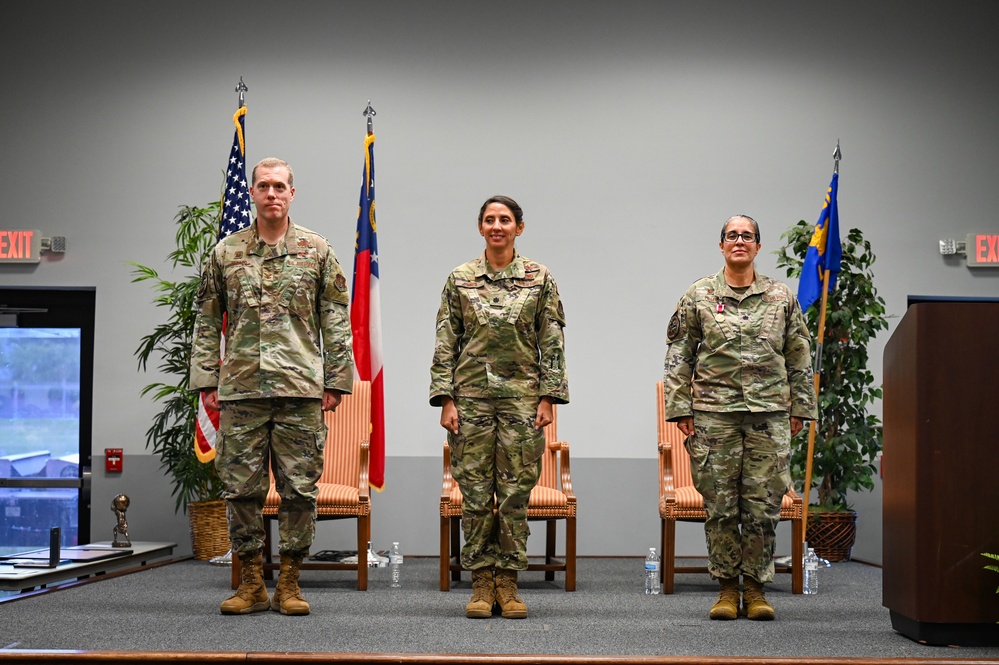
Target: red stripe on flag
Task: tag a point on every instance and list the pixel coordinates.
(376, 470)
(360, 316)
(204, 437)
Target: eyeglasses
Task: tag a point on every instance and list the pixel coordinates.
(747, 237)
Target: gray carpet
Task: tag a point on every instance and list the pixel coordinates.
(175, 607)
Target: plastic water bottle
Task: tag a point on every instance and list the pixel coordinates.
(811, 565)
(652, 572)
(395, 563)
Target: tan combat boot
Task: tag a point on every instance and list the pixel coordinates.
(287, 596)
(754, 603)
(483, 595)
(251, 596)
(726, 608)
(506, 595)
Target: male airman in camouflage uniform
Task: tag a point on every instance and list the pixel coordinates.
(287, 358)
(737, 381)
(499, 365)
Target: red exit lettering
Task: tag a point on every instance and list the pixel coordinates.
(987, 248)
(15, 244)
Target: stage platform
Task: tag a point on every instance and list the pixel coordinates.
(169, 614)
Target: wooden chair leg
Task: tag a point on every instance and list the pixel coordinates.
(455, 548)
(570, 554)
(445, 556)
(237, 570)
(797, 554)
(363, 537)
(668, 554)
(550, 548)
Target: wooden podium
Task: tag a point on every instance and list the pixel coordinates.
(941, 472)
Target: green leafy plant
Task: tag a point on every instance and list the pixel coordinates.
(993, 567)
(171, 436)
(847, 437)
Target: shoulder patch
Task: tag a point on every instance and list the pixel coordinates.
(203, 286)
(340, 283)
(673, 331)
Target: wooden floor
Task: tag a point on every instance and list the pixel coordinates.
(192, 658)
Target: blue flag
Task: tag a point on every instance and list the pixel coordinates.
(824, 251)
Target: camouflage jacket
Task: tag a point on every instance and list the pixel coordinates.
(499, 334)
(738, 353)
(287, 329)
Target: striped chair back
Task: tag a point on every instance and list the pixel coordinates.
(348, 426)
(670, 433)
(549, 461)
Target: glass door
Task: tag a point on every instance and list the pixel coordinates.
(46, 369)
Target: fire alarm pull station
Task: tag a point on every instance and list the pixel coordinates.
(113, 460)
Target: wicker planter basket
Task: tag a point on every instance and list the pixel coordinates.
(209, 529)
(832, 535)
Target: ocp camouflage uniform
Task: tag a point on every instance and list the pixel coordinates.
(288, 338)
(293, 450)
(740, 365)
(499, 349)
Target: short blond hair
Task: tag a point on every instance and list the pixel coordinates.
(272, 163)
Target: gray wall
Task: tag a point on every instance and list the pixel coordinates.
(628, 131)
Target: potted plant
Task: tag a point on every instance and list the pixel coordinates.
(196, 485)
(847, 436)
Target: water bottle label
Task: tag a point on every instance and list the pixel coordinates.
(652, 565)
(811, 566)
(395, 559)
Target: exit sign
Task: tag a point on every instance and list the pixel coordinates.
(20, 246)
(983, 250)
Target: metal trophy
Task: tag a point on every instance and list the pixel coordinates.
(119, 505)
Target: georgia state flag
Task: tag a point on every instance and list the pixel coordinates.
(365, 316)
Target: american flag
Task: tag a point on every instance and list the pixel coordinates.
(236, 215)
(365, 314)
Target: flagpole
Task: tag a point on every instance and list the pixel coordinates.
(369, 113)
(817, 374)
(224, 559)
(365, 315)
(241, 89)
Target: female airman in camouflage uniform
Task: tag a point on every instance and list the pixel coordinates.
(498, 367)
(738, 384)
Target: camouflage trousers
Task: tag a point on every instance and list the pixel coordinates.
(284, 435)
(496, 461)
(740, 463)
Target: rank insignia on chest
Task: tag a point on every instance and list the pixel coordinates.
(239, 254)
